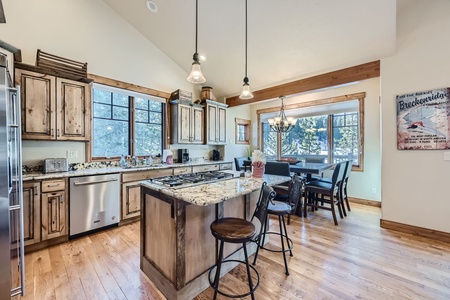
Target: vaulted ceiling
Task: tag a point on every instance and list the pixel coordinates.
(287, 39)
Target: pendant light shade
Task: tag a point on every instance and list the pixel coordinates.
(196, 75)
(246, 92)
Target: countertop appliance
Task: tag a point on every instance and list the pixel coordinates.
(12, 263)
(216, 155)
(94, 203)
(187, 180)
(52, 165)
(183, 155)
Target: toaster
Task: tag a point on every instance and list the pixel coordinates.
(52, 165)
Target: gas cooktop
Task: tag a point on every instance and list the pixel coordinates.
(186, 180)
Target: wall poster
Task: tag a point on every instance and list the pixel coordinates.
(423, 120)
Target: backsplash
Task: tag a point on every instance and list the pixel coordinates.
(26, 169)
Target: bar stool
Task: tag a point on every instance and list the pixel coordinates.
(240, 231)
(281, 209)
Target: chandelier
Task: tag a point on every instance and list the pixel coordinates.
(282, 123)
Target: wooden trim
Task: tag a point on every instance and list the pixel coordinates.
(365, 201)
(16, 51)
(347, 75)
(414, 230)
(127, 86)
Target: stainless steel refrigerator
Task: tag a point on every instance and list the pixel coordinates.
(11, 199)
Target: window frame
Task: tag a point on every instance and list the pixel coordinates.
(247, 131)
(132, 88)
(357, 96)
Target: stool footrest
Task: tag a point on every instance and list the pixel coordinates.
(290, 244)
(211, 283)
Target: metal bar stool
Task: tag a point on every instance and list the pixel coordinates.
(281, 209)
(240, 231)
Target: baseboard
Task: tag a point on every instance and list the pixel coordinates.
(414, 230)
(365, 202)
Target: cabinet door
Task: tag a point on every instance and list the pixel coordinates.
(211, 124)
(73, 104)
(197, 125)
(31, 212)
(221, 125)
(54, 217)
(184, 123)
(38, 105)
(131, 200)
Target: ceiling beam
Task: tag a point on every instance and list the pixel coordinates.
(343, 76)
(2, 13)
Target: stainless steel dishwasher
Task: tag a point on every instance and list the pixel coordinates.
(94, 203)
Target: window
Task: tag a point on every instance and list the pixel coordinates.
(242, 131)
(126, 123)
(330, 131)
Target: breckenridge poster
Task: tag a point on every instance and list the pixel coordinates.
(423, 120)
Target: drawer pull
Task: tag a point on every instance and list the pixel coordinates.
(52, 185)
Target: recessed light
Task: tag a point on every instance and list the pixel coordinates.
(152, 6)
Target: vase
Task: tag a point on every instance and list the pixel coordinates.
(258, 172)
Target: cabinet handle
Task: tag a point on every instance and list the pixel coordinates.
(58, 133)
(53, 132)
(36, 190)
(52, 185)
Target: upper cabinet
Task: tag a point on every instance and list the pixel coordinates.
(187, 123)
(216, 122)
(54, 108)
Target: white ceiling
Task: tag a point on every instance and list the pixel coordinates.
(287, 39)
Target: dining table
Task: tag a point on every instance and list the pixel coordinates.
(309, 168)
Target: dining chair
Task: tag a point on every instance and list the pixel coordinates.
(278, 168)
(239, 162)
(280, 207)
(329, 193)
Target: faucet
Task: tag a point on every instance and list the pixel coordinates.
(135, 160)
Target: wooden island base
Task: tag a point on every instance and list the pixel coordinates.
(177, 247)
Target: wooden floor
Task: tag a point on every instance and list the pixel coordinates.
(355, 260)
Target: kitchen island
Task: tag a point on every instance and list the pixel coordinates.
(177, 247)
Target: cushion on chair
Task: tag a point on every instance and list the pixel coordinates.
(317, 186)
(279, 207)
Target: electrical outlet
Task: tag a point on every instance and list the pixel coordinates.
(447, 155)
(374, 191)
(72, 154)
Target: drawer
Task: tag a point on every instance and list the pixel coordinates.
(183, 170)
(205, 168)
(226, 166)
(144, 175)
(53, 185)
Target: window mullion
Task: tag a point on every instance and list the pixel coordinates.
(131, 133)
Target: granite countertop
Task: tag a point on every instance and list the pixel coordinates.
(219, 191)
(109, 170)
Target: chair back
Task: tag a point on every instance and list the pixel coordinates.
(295, 191)
(338, 174)
(260, 214)
(277, 168)
(348, 169)
(315, 159)
(239, 162)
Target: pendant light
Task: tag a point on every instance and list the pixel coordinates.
(282, 123)
(246, 92)
(196, 75)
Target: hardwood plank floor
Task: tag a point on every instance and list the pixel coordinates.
(355, 260)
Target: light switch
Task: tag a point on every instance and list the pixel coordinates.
(447, 155)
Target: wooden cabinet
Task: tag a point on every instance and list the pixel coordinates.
(226, 166)
(31, 212)
(54, 108)
(215, 122)
(187, 123)
(205, 168)
(131, 190)
(54, 209)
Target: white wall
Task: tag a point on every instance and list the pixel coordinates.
(415, 183)
(232, 149)
(360, 183)
(89, 31)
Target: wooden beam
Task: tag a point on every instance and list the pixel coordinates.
(348, 75)
(2, 13)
